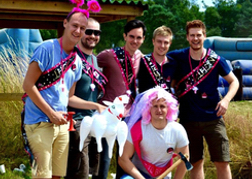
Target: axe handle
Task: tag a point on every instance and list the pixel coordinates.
(171, 168)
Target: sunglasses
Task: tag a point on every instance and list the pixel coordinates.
(91, 31)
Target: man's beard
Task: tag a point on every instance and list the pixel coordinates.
(85, 45)
(195, 48)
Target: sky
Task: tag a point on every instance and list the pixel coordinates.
(207, 2)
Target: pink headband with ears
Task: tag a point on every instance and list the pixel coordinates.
(93, 6)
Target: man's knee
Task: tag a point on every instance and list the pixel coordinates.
(198, 171)
(221, 165)
(198, 164)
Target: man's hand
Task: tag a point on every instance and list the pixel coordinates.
(58, 118)
(222, 107)
(100, 108)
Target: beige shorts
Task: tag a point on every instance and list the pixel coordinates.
(49, 145)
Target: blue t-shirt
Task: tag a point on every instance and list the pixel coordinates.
(145, 80)
(195, 107)
(47, 55)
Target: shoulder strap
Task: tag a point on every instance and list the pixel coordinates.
(128, 74)
(155, 74)
(201, 72)
(99, 78)
(136, 135)
(46, 80)
(52, 76)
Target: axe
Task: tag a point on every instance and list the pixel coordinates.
(184, 159)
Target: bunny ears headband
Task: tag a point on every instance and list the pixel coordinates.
(93, 6)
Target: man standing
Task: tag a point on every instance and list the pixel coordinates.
(157, 68)
(201, 109)
(49, 84)
(120, 66)
(87, 88)
(153, 139)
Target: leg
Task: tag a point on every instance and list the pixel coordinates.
(196, 148)
(78, 166)
(74, 155)
(198, 171)
(41, 137)
(218, 145)
(94, 157)
(60, 150)
(223, 170)
(104, 162)
(119, 171)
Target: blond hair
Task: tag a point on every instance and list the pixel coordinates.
(163, 31)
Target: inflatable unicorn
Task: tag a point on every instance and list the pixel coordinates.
(107, 124)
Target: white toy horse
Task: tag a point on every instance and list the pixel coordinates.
(107, 124)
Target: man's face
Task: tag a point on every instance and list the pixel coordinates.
(161, 44)
(89, 41)
(75, 27)
(196, 38)
(158, 109)
(134, 39)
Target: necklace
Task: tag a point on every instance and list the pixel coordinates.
(126, 58)
(62, 67)
(195, 88)
(127, 78)
(155, 63)
(91, 74)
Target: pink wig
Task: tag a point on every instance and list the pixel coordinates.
(142, 104)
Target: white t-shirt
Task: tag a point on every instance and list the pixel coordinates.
(155, 144)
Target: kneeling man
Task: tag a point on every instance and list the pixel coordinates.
(154, 136)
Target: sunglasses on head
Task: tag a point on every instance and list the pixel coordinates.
(91, 31)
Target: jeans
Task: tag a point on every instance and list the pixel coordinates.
(80, 162)
(104, 162)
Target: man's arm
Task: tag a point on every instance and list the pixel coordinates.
(125, 162)
(79, 103)
(222, 106)
(32, 75)
(103, 57)
(181, 170)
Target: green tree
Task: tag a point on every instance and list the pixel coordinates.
(212, 21)
(48, 34)
(243, 26)
(172, 13)
(112, 35)
(156, 16)
(228, 11)
(241, 1)
(181, 11)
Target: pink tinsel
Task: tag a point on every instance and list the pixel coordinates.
(93, 6)
(78, 2)
(141, 106)
(85, 12)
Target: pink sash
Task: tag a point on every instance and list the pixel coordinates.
(201, 71)
(154, 171)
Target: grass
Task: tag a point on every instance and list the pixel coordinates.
(238, 122)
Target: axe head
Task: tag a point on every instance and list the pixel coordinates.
(187, 163)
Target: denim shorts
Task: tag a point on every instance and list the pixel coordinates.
(216, 138)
